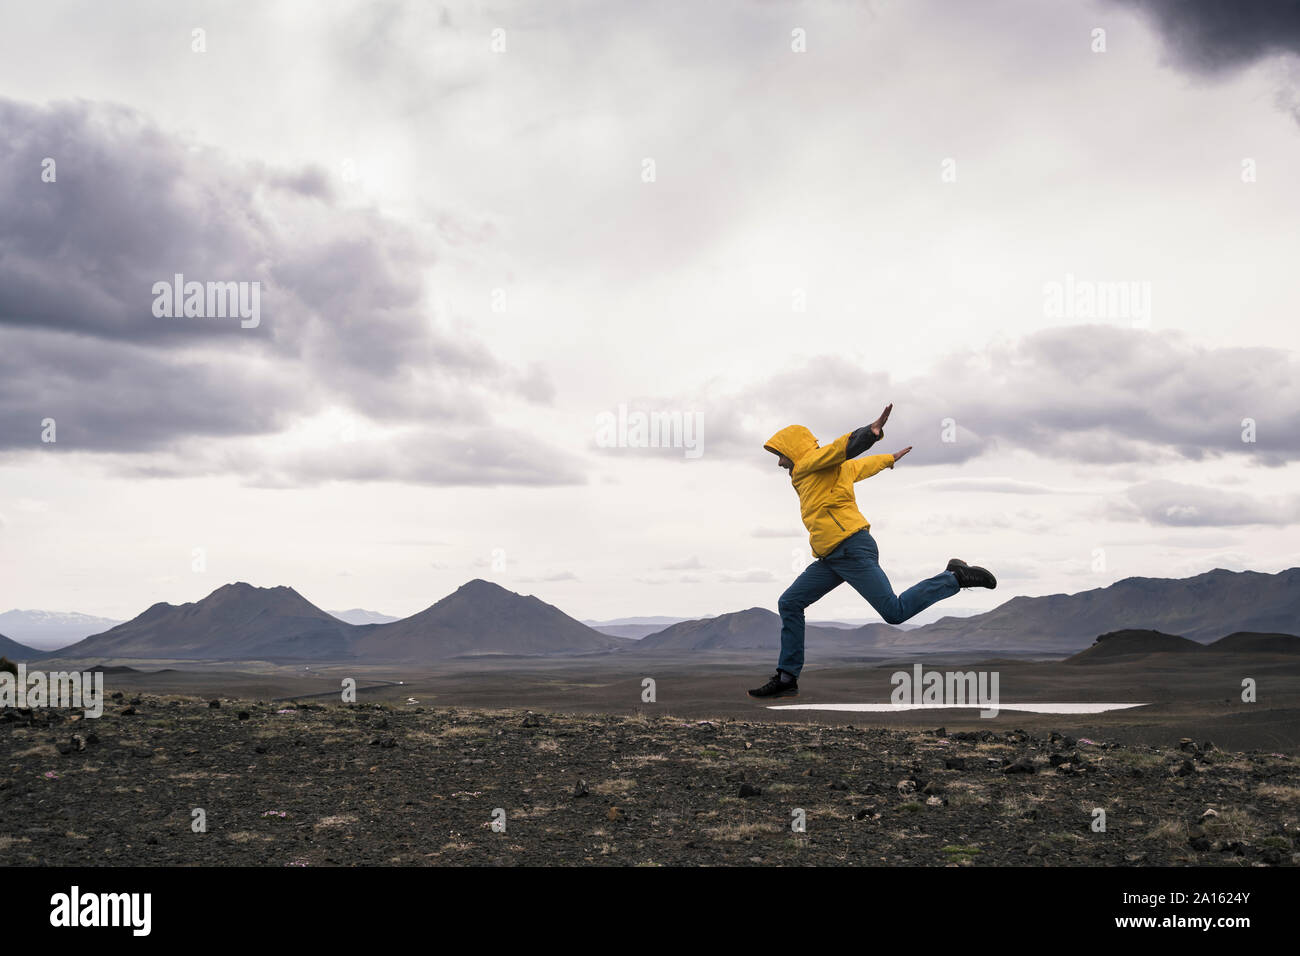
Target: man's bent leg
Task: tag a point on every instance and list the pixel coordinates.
(816, 581)
(859, 564)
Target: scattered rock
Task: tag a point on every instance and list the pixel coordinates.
(1020, 765)
(530, 720)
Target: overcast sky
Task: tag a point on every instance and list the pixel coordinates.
(475, 228)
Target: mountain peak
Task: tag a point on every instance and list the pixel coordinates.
(482, 617)
(487, 587)
(243, 587)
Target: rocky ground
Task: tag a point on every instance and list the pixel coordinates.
(325, 785)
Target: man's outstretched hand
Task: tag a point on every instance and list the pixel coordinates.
(900, 454)
(878, 426)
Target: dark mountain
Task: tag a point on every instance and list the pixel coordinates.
(234, 622)
(17, 652)
(483, 618)
(1132, 642)
(754, 629)
(1200, 608)
(1248, 642)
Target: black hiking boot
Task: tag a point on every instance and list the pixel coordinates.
(777, 688)
(968, 577)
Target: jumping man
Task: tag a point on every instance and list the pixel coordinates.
(841, 542)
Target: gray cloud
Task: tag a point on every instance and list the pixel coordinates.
(1177, 504)
(1211, 36)
(115, 396)
(344, 321)
(429, 456)
(1096, 395)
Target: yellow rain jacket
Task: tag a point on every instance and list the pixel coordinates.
(823, 479)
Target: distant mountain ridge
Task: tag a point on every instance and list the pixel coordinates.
(359, 615)
(1201, 608)
(46, 630)
(243, 622)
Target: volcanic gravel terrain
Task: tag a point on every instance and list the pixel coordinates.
(309, 784)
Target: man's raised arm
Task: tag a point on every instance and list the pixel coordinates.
(847, 446)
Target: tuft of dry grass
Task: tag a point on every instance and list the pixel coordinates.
(736, 832)
(1169, 832)
(616, 787)
(1282, 794)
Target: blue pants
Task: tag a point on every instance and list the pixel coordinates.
(856, 560)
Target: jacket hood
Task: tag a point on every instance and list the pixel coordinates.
(793, 441)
